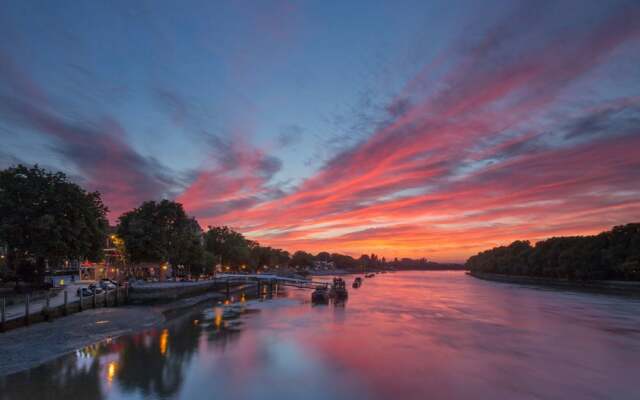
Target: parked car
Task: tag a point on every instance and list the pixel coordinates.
(84, 292)
(96, 289)
(107, 284)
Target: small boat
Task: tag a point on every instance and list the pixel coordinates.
(338, 289)
(232, 311)
(370, 275)
(320, 295)
(356, 283)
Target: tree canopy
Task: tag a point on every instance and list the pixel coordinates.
(232, 249)
(160, 232)
(302, 259)
(46, 220)
(612, 254)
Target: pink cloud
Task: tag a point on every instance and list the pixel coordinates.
(430, 165)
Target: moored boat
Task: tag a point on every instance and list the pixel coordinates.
(231, 312)
(320, 295)
(338, 289)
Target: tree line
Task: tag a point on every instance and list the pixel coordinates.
(47, 221)
(610, 255)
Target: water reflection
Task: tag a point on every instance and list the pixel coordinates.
(409, 336)
(111, 371)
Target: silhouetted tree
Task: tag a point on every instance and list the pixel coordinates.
(161, 232)
(45, 220)
(613, 254)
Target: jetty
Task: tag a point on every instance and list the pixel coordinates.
(270, 279)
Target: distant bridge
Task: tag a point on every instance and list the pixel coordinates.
(270, 279)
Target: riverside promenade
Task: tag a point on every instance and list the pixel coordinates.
(17, 311)
(55, 304)
(67, 301)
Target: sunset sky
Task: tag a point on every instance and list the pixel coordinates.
(404, 128)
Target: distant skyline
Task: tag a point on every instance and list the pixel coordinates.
(422, 129)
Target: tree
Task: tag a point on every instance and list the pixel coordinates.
(283, 258)
(613, 254)
(231, 247)
(161, 232)
(323, 256)
(302, 259)
(345, 262)
(46, 220)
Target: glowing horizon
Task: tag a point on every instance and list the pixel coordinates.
(417, 131)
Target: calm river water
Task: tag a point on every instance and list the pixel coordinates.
(411, 335)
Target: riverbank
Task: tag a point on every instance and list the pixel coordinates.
(606, 287)
(27, 347)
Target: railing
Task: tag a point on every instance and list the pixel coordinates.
(46, 312)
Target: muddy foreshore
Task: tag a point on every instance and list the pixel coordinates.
(617, 288)
(30, 346)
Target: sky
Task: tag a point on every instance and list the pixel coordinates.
(403, 128)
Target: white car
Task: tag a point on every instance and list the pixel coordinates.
(107, 285)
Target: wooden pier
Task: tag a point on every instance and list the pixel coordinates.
(270, 279)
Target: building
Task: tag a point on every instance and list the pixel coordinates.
(112, 267)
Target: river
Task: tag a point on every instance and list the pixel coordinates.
(409, 335)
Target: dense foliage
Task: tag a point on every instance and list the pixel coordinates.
(424, 264)
(46, 220)
(613, 254)
(232, 249)
(161, 232)
(302, 259)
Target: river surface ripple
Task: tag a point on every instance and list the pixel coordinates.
(409, 335)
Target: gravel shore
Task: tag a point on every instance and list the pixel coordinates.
(27, 347)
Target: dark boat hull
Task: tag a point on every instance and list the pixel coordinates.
(320, 298)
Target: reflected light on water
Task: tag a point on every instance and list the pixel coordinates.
(112, 368)
(218, 318)
(164, 341)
